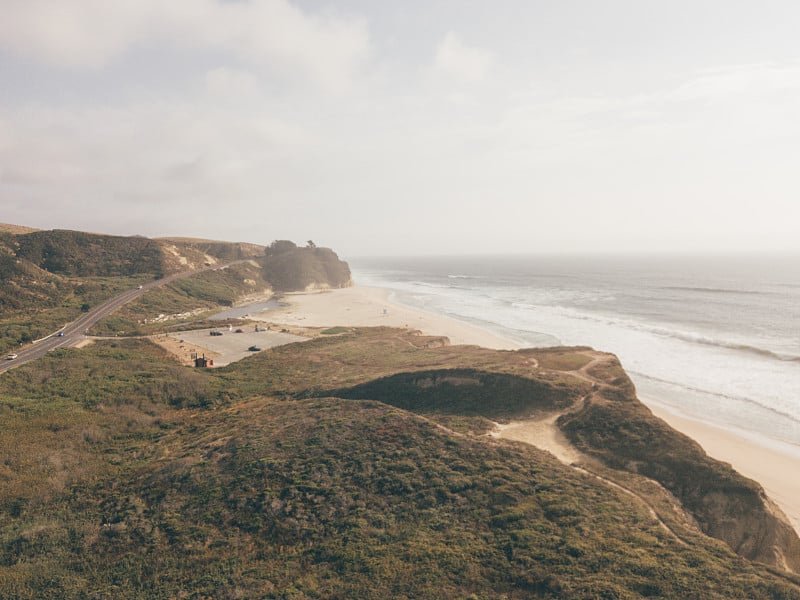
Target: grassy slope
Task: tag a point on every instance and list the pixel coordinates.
(16, 229)
(204, 292)
(614, 427)
(35, 302)
(79, 254)
(47, 276)
(125, 475)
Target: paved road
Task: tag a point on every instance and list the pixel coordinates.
(74, 333)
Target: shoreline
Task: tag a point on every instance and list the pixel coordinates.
(371, 307)
(770, 463)
(360, 306)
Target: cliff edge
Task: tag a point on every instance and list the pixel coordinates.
(614, 427)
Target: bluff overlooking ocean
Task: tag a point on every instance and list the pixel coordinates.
(715, 338)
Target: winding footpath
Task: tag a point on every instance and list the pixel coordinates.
(545, 435)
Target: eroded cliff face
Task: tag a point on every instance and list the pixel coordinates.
(754, 527)
(614, 427)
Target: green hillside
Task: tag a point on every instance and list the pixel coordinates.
(34, 301)
(49, 277)
(126, 475)
(186, 301)
(79, 254)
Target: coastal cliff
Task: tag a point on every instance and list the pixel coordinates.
(614, 427)
(611, 425)
(289, 268)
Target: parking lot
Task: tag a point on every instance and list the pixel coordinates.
(230, 346)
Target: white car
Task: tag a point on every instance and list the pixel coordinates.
(11, 357)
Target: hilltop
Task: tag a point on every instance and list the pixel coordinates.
(16, 229)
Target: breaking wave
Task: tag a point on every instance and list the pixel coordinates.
(721, 395)
(684, 336)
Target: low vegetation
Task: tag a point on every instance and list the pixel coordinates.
(465, 392)
(35, 305)
(185, 300)
(126, 475)
(625, 436)
(48, 277)
(79, 254)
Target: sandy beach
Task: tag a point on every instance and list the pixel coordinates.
(773, 465)
(371, 307)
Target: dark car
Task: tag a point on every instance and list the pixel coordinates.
(60, 334)
(254, 349)
(215, 333)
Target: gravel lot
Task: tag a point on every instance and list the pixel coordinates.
(230, 347)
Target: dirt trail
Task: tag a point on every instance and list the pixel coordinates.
(630, 492)
(583, 372)
(543, 433)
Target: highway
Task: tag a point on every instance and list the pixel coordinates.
(75, 332)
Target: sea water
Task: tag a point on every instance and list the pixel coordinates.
(714, 338)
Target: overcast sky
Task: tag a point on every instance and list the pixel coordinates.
(422, 126)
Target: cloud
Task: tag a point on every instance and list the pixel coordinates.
(231, 83)
(465, 63)
(185, 152)
(92, 34)
(79, 34)
(732, 82)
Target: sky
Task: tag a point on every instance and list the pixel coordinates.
(415, 127)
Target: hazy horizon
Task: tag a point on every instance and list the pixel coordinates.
(427, 128)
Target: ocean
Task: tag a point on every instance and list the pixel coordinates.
(711, 338)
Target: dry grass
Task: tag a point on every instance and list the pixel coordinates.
(17, 229)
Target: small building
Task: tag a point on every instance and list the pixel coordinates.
(202, 362)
